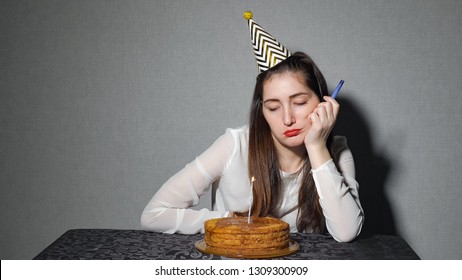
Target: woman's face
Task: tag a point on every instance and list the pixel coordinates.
(287, 102)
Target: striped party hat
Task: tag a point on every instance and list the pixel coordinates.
(268, 51)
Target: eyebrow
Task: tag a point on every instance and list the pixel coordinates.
(290, 97)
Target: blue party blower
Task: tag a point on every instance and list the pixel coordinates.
(337, 89)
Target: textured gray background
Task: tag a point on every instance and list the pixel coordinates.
(102, 101)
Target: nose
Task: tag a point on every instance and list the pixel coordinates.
(288, 117)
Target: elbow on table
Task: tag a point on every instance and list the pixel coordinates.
(345, 237)
(145, 222)
(148, 222)
(348, 233)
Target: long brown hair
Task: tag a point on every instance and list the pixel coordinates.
(263, 159)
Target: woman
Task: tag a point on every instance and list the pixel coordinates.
(303, 175)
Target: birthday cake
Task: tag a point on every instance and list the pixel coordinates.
(240, 235)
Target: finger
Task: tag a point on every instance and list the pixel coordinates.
(330, 112)
(334, 103)
(323, 113)
(328, 109)
(314, 118)
(330, 100)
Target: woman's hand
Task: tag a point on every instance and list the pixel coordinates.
(322, 119)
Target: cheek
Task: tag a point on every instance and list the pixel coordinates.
(303, 113)
(309, 109)
(271, 120)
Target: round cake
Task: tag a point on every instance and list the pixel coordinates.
(236, 235)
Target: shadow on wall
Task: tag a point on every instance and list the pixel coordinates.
(372, 169)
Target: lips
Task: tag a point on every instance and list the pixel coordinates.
(292, 132)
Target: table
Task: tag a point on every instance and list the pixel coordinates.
(141, 245)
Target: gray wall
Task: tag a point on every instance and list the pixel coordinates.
(102, 101)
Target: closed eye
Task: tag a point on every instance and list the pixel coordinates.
(273, 109)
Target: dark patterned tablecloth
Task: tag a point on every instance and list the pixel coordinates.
(142, 245)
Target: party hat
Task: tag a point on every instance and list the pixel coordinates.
(268, 51)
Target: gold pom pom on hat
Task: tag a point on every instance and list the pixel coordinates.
(268, 51)
(248, 15)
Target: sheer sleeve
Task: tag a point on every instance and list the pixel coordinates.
(339, 194)
(169, 210)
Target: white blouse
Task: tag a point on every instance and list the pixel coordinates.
(222, 169)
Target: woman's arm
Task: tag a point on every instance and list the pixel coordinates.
(337, 189)
(168, 211)
(339, 194)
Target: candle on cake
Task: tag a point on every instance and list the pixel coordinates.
(250, 198)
